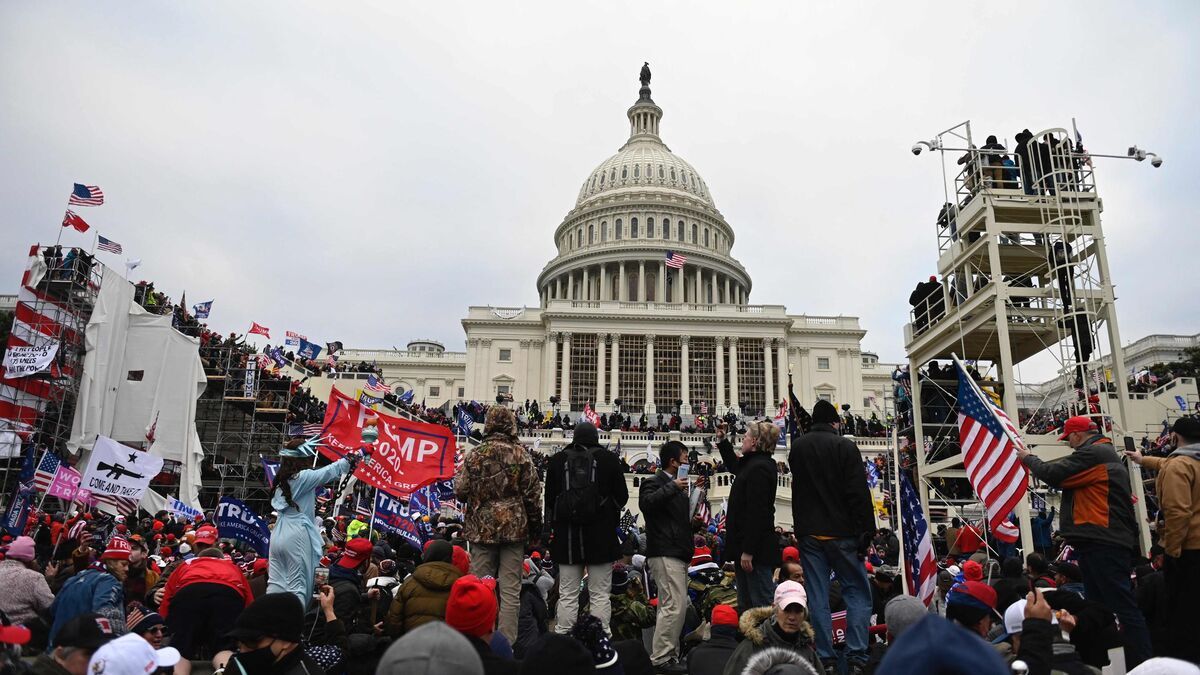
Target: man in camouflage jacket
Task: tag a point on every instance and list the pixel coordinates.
(503, 499)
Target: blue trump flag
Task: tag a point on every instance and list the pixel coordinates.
(18, 508)
(407, 397)
(235, 520)
(392, 516)
(308, 350)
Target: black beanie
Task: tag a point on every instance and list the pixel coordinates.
(277, 615)
(824, 413)
(438, 550)
(562, 654)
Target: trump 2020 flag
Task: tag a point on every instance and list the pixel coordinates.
(308, 350)
(202, 309)
(392, 516)
(235, 520)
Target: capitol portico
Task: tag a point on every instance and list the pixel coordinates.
(644, 304)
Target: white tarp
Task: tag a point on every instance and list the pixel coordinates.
(140, 373)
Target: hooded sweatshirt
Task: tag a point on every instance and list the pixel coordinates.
(1178, 489)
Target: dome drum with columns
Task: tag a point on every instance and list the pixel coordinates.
(615, 322)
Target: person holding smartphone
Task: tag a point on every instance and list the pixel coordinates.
(664, 501)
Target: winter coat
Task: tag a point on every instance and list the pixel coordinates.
(830, 496)
(629, 616)
(758, 626)
(710, 656)
(1178, 490)
(750, 516)
(46, 665)
(667, 511)
(531, 618)
(422, 597)
(1097, 504)
(1044, 651)
(595, 542)
(493, 664)
(90, 591)
(26, 593)
(502, 492)
(205, 570)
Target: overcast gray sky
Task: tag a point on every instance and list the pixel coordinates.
(365, 171)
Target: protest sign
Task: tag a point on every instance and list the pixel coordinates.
(407, 456)
(179, 508)
(23, 361)
(65, 484)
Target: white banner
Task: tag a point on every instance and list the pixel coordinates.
(118, 470)
(179, 508)
(292, 339)
(22, 361)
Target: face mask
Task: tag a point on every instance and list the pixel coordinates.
(253, 662)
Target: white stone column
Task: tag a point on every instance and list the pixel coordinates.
(472, 363)
(661, 282)
(733, 376)
(650, 408)
(570, 285)
(550, 363)
(712, 284)
(685, 380)
(585, 291)
(696, 288)
(768, 380)
(728, 300)
(601, 394)
(521, 389)
(623, 288)
(782, 366)
(614, 385)
(557, 288)
(719, 404)
(679, 282)
(484, 384)
(604, 285)
(641, 281)
(566, 372)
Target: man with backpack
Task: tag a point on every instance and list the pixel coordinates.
(585, 495)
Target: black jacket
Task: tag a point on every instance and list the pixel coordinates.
(493, 664)
(830, 496)
(668, 519)
(710, 657)
(597, 542)
(750, 519)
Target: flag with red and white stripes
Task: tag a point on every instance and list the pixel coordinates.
(919, 562)
(1007, 532)
(590, 415)
(989, 443)
(47, 469)
(85, 195)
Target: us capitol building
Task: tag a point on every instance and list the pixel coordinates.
(616, 322)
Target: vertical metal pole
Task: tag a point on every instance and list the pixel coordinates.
(918, 437)
(898, 522)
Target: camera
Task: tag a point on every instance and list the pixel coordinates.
(1156, 162)
(916, 149)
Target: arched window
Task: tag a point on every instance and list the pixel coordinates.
(619, 227)
(579, 237)
(603, 230)
(672, 174)
(593, 185)
(649, 228)
(601, 179)
(624, 172)
(706, 236)
(651, 287)
(633, 233)
(666, 228)
(613, 178)
(570, 241)
(636, 172)
(660, 171)
(681, 227)
(695, 234)
(592, 233)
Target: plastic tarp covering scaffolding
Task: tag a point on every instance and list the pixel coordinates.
(141, 378)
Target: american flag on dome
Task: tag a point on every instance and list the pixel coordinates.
(989, 444)
(376, 385)
(920, 565)
(105, 244)
(86, 195)
(675, 260)
(47, 469)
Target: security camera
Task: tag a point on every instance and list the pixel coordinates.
(916, 149)
(1156, 161)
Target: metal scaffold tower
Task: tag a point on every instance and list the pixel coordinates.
(1022, 274)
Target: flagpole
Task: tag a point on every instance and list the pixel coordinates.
(896, 509)
(371, 524)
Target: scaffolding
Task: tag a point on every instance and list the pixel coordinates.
(57, 294)
(1022, 273)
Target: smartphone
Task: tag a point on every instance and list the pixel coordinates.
(683, 471)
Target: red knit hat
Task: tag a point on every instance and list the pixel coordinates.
(471, 608)
(724, 615)
(972, 571)
(118, 549)
(461, 559)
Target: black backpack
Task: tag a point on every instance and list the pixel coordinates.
(579, 502)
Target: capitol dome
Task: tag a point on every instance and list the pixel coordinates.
(639, 216)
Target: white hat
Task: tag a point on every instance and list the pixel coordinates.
(790, 593)
(184, 549)
(1014, 616)
(131, 655)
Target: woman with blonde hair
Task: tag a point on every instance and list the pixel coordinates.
(750, 542)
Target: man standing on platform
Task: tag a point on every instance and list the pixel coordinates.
(1097, 520)
(834, 520)
(1178, 490)
(663, 500)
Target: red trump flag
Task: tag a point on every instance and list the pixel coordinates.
(407, 456)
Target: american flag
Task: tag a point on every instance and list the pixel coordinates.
(312, 429)
(121, 505)
(989, 444)
(675, 260)
(364, 506)
(86, 195)
(376, 385)
(921, 567)
(106, 244)
(1007, 532)
(47, 469)
(590, 415)
(629, 520)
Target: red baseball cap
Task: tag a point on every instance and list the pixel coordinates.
(207, 534)
(1077, 423)
(791, 553)
(357, 550)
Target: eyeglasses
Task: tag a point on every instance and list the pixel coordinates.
(160, 630)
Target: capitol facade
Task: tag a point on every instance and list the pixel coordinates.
(644, 305)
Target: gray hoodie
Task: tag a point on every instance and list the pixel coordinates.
(432, 649)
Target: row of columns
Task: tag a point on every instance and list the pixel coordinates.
(598, 285)
(608, 372)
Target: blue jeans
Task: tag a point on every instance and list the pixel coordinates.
(754, 589)
(840, 556)
(1106, 580)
